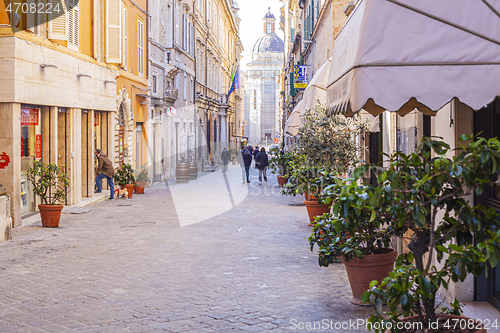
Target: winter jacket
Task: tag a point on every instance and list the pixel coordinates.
(247, 158)
(104, 166)
(255, 153)
(261, 161)
(225, 156)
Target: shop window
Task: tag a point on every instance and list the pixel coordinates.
(31, 150)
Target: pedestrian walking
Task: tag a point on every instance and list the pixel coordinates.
(104, 170)
(262, 162)
(255, 152)
(225, 159)
(247, 162)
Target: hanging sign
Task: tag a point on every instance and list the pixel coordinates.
(171, 111)
(300, 76)
(29, 116)
(96, 119)
(38, 146)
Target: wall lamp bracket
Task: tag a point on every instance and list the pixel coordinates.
(46, 65)
(83, 75)
(107, 81)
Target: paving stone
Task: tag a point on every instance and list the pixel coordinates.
(135, 269)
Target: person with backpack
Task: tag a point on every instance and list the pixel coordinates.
(261, 163)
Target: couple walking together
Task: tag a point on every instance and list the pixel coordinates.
(261, 163)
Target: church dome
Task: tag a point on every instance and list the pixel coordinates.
(269, 15)
(269, 43)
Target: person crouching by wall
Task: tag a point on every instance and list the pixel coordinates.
(104, 170)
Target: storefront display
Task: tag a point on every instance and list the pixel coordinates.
(31, 149)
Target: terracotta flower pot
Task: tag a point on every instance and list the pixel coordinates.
(461, 321)
(139, 188)
(309, 196)
(315, 209)
(50, 215)
(363, 271)
(282, 180)
(130, 189)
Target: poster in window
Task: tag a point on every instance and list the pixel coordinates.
(38, 146)
(29, 116)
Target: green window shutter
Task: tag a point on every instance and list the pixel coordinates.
(292, 85)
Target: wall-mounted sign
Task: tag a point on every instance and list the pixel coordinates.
(171, 111)
(29, 116)
(4, 160)
(300, 76)
(38, 146)
(96, 119)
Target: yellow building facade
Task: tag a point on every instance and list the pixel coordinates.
(71, 82)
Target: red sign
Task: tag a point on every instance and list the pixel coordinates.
(96, 119)
(38, 146)
(22, 146)
(4, 160)
(276, 140)
(171, 111)
(29, 117)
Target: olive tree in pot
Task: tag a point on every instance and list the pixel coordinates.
(330, 149)
(408, 198)
(125, 178)
(51, 184)
(353, 233)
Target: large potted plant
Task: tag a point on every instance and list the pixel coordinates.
(125, 178)
(142, 179)
(329, 148)
(354, 234)
(51, 184)
(410, 196)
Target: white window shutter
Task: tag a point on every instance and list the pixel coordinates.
(97, 29)
(30, 17)
(113, 31)
(125, 38)
(73, 24)
(58, 25)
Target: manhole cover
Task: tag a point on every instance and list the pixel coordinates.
(124, 205)
(297, 204)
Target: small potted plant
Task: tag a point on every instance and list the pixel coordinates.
(409, 197)
(282, 163)
(51, 184)
(142, 179)
(125, 178)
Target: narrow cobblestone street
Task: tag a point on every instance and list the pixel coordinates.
(129, 266)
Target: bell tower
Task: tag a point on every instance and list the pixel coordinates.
(269, 22)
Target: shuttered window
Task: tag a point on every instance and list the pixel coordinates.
(113, 31)
(58, 25)
(97, 31)
(30, 15)
(125, 39)
(140, 47)
(73, 24)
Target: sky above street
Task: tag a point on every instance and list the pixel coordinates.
(251, 28)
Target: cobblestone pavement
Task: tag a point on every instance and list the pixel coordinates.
(128, 266)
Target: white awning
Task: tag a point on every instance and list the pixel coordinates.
(316, 89)
(398, 55)
(293, 122)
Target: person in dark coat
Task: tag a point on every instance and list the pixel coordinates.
(225, 159)
(255, 152)
(247, 161)
(262, 162)
(104, 170)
